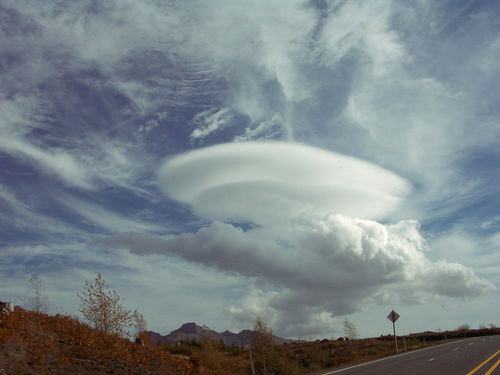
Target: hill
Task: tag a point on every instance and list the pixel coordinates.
(35, 343)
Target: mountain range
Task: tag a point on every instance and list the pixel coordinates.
(192, 331)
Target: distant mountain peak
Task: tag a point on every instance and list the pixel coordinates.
(192, 331)
(189, 328)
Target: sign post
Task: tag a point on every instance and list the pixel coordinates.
(393, 316)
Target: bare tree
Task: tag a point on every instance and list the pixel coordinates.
(37, 299)
(350, 330)
(206, 334)
(103, 309)
(262, 344)
(138, 323)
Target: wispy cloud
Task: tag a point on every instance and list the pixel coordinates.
(210, 121)
(98, 215)
(57, 162)
(24, 216)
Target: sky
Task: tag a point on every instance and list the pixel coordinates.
(218, 161)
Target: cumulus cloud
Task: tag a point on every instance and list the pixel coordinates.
(269, 182)
(330, 266)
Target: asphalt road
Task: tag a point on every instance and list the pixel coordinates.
(477, 355)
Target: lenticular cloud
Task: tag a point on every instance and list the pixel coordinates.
(270, 182)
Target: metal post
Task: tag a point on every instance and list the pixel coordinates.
(395, 338)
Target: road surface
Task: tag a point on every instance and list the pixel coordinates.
(473, 356)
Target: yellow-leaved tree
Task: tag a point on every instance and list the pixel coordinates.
(102, 308)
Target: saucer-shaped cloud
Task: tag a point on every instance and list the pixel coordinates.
(268, 182)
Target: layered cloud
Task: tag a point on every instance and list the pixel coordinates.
(271, 182)
(315, 258)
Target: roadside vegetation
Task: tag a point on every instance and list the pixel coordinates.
(38, 343)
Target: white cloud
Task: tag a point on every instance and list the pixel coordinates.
(17, 119)
(455, 280)
(461, 245)
(117, 164)
(56, 162)
(269, 182)
(210, 121)
(26, 216)
(87, 163)
(329, 266)
(111, 221)
(272, 129)
(363, 27)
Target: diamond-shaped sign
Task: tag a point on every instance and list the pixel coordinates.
(393, 316)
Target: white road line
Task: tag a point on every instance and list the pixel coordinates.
(392, 356)
(431, 359)
(454, 350)
(471, 343)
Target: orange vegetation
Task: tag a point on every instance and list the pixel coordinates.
(35, 343)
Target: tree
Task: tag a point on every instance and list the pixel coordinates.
(37, 299)
(350, 330)
(261, 345)
(208, 340)
(138, 323)
(103, 309)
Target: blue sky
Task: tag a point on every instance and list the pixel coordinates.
(218, 161)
